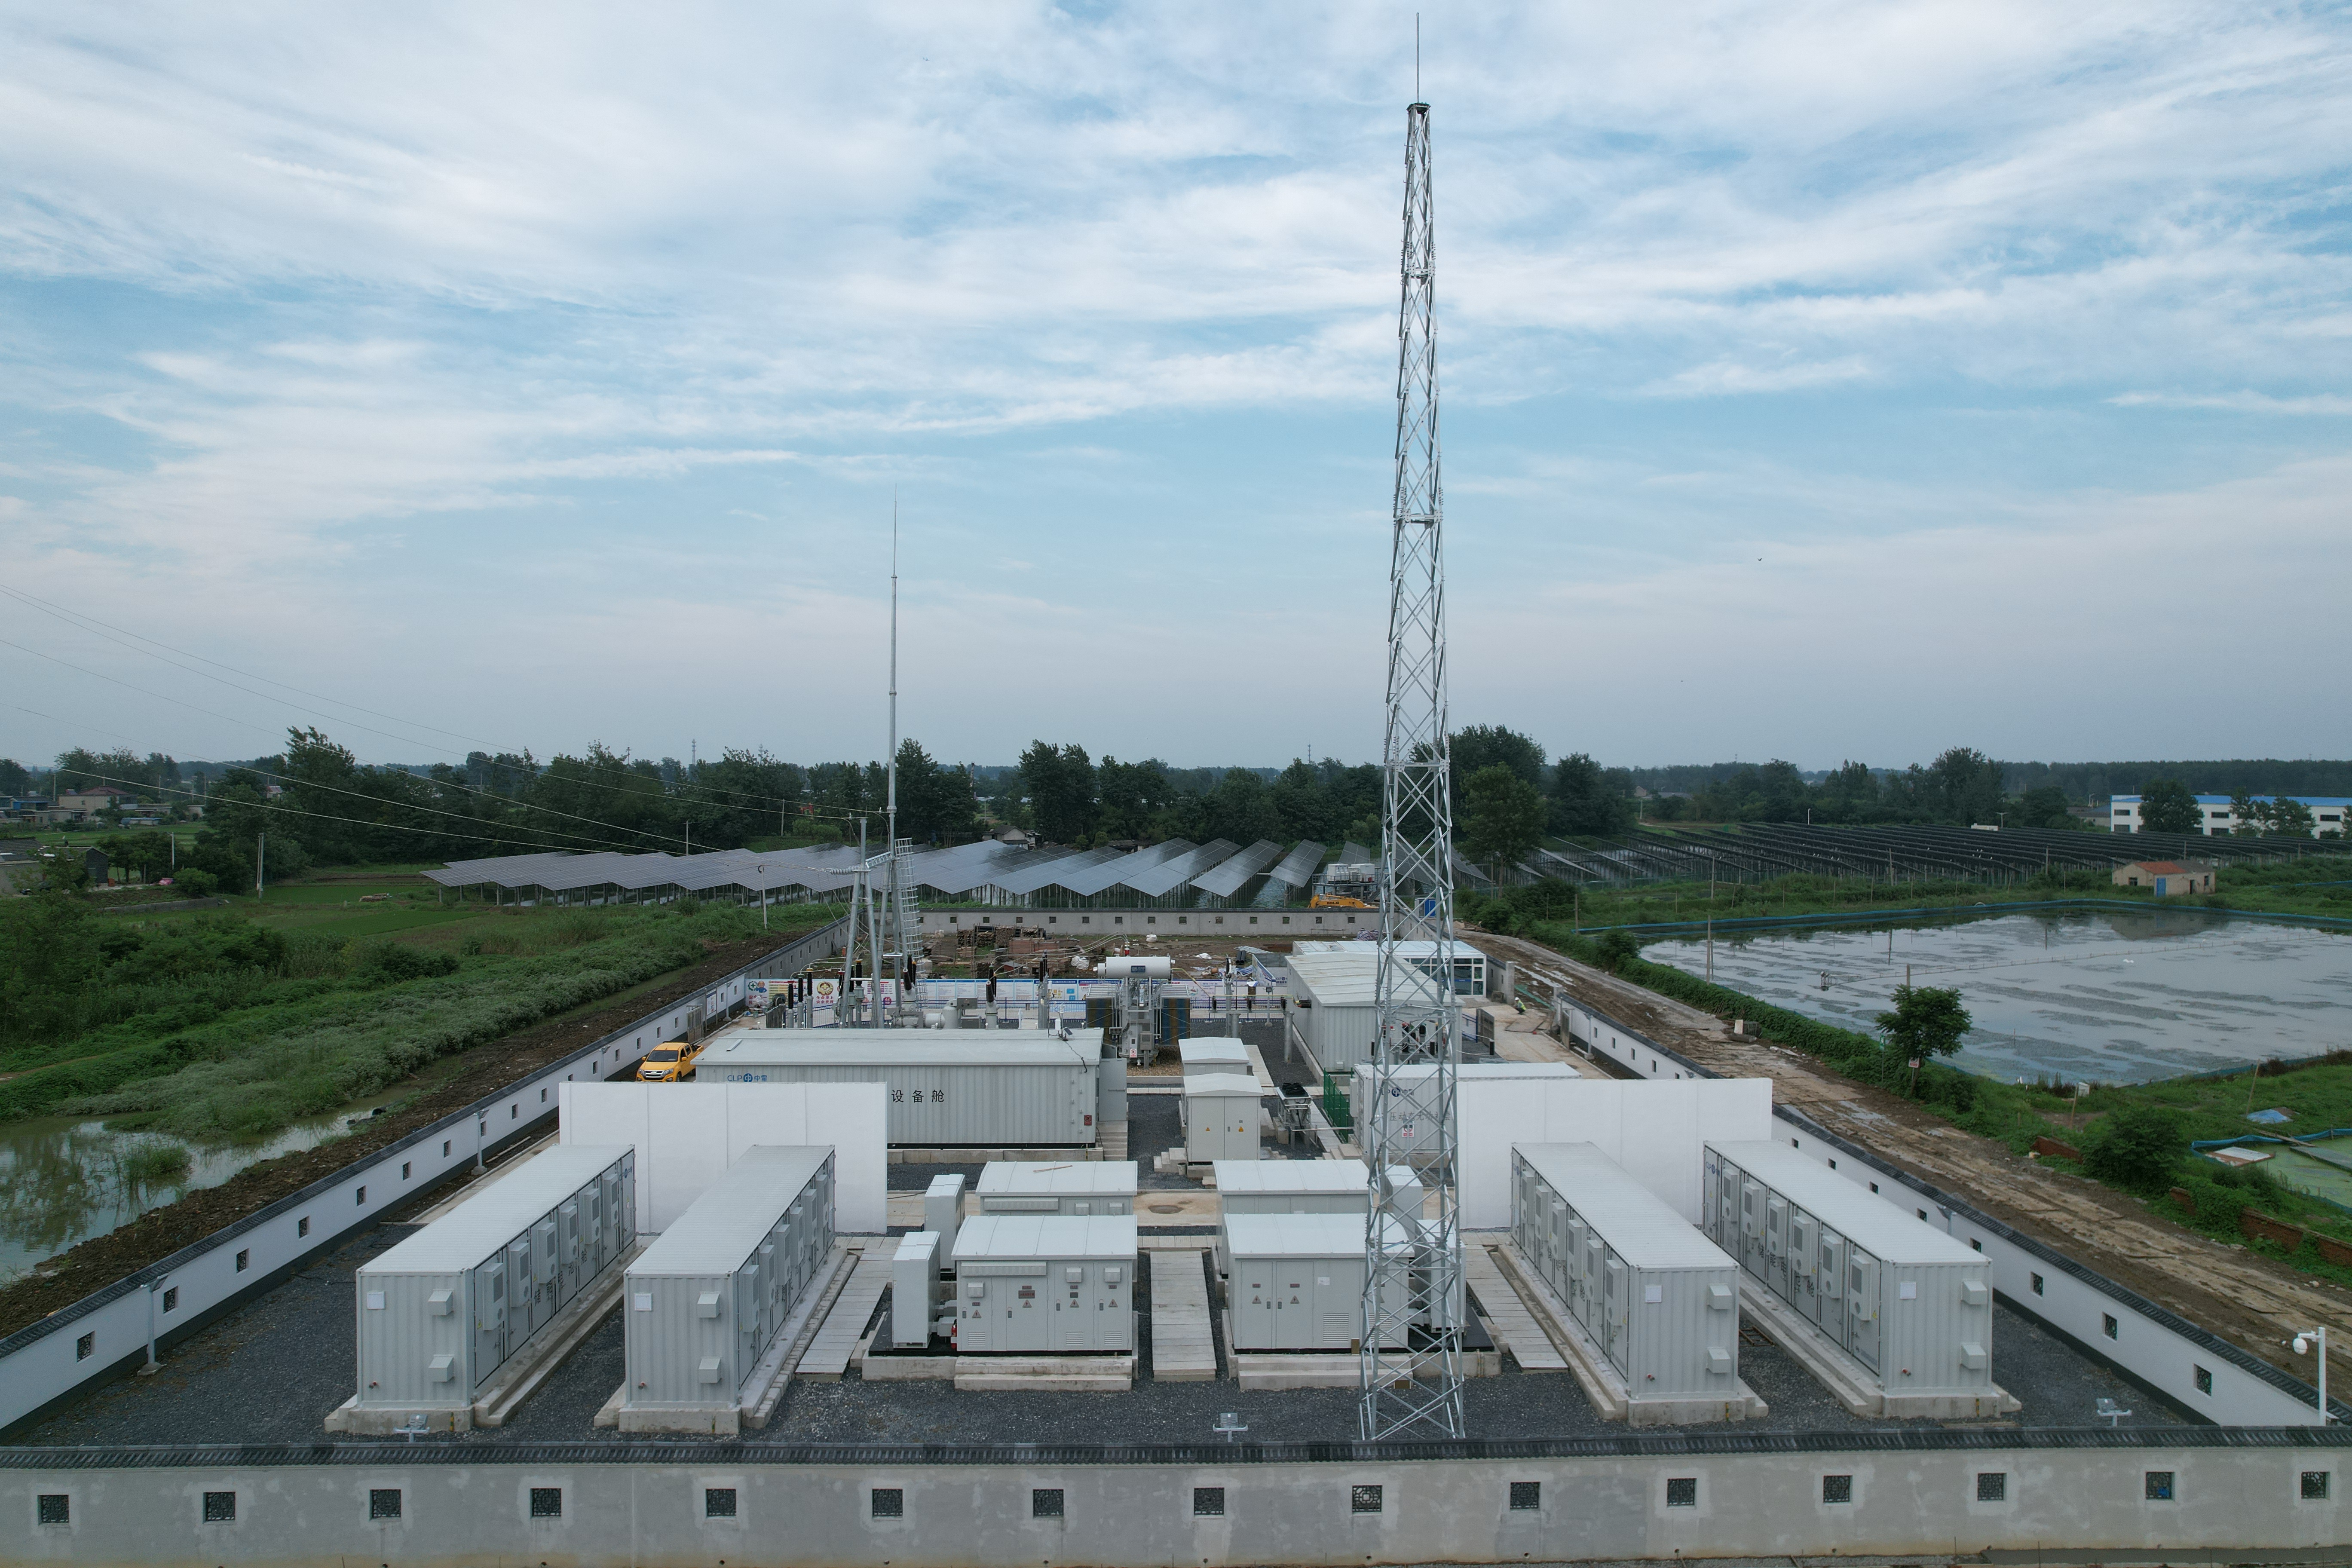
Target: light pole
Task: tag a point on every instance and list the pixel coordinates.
(764, 896)
(2304, 1343)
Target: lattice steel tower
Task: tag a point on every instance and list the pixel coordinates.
(1411, 1318)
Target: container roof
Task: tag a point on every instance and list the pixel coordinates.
(1300, 1236)
(1863, 1218)
(1222, 1086)
(1337, 979)
(1212, 1048)
(1015, 1237)
(1478, 1070)
(915, 1244)
(903, 1048)
(1077, 1178)
(486, 1222)
(1299, 1176)
(734, 1214)
(1643, 1228)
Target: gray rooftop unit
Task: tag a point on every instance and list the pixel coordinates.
(1044, 1283)
(1220, 1117)
(1660, 1299)
(443, 1310)
(1216, 1054)
(1298, 1280)
(705, 1300)
(1069, 1186)
(1911, 1303)
(993, 1088)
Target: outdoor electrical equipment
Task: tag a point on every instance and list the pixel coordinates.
(1142, 978)
(1298, 1280)
(915, 1291)
(1221, 1118)
(442, 1311)
(1908, 1302)
(1009, 1089)
(1658, 1298)
(704, 1301)
(1067, 1187)
(1044, 1283)
(943, 1211)
(1216, 1054)
(1296, 1186)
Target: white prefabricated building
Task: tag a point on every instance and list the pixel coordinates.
(958, 1089)
(1216, 1054)
(915, 1290)
(1911, 1303)
(1043, 1283)
(1409, 1083)
(1067, 1186)
(1297, 1187)
(705, 1300)
(1221, 1118)
(1298, 1280)
(1332, 992)
(1660, 1299)
(443, 1310)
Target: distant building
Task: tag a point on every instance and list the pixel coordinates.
(2168, 878)
(2327, 813)
(97, 797)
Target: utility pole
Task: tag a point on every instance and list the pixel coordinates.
(1411, 1321)
(260, 843)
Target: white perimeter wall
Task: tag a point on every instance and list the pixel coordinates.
(687, 1135)
(1657, 1131)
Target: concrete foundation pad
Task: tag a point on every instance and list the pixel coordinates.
(908, 1368)
(1590, 1365)
(1852, 1384)
(725, 1422)
(391, 1421)
(1046, 1374)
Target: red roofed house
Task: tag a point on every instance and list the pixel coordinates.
(2167, 877)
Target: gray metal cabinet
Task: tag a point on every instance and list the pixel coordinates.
(1044, 1283)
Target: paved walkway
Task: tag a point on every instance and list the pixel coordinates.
(1513, 1325)
(1182, 1350)
(828, 1354)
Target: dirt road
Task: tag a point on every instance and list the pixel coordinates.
(2255, 1302)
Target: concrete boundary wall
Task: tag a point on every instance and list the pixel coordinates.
(2149, 1345)
(1680, 1496)
(105, 1332)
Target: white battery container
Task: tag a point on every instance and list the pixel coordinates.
(947, 1090)
(443, 1310)
(1911, 1303)
(1221, 1118)
(705, 1300)
(1660, 1299)
(1044, 1283)
(1064, 1186)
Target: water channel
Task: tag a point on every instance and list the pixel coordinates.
(2114, 998)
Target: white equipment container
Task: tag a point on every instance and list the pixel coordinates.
(1298, 1280)
(993, 1089)
(1409, 1082)
(914, 1290)
(1296, 1186)
(1660, 1299)
(1211, 1054)
(1912, 1304)
(1221, 1118)
(943, 1211)
(705, 1300)
(1046, 1283)
(443, 1310)
(1069, 1186)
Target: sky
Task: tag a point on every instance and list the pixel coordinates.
(1821, 381)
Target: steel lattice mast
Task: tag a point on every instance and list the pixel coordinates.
(1411, 1347)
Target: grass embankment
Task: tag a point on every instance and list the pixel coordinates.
(236, 1023)
(2318, 1096)
(2299, 888)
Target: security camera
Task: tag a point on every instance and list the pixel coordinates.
(2301, 1345)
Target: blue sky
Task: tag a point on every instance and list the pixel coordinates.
(1821, 381)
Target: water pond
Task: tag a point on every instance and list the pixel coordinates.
(2119, 998)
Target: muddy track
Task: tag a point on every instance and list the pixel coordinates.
(156, 1235)
(2257, 1302)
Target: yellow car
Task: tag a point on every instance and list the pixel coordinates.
(667, 1063)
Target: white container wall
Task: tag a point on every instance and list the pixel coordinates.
(1044, 1283)
(1911, 1303)
(443, 1310)
(1002, 1088)
(1221, 1118)
(943, 1211)
(1659, 1299)
(1298, 1280)
(705, 1300)
(1067, 1186)
(914, 1290)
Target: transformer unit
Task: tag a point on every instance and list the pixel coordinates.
(1911, 1304)
(705, 1300)
(915, 1290)
(1042, 1283)
(1215, 1054)
(1297, 1187)
(1298, 1280)
(1658, 1298)
(1220, 1117)
(1003, 1088)
(1069, 1186)
(445, 1309)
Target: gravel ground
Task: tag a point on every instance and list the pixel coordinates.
(271, 1372)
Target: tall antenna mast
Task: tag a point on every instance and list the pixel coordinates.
(1411, 1315)
(893, 802)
